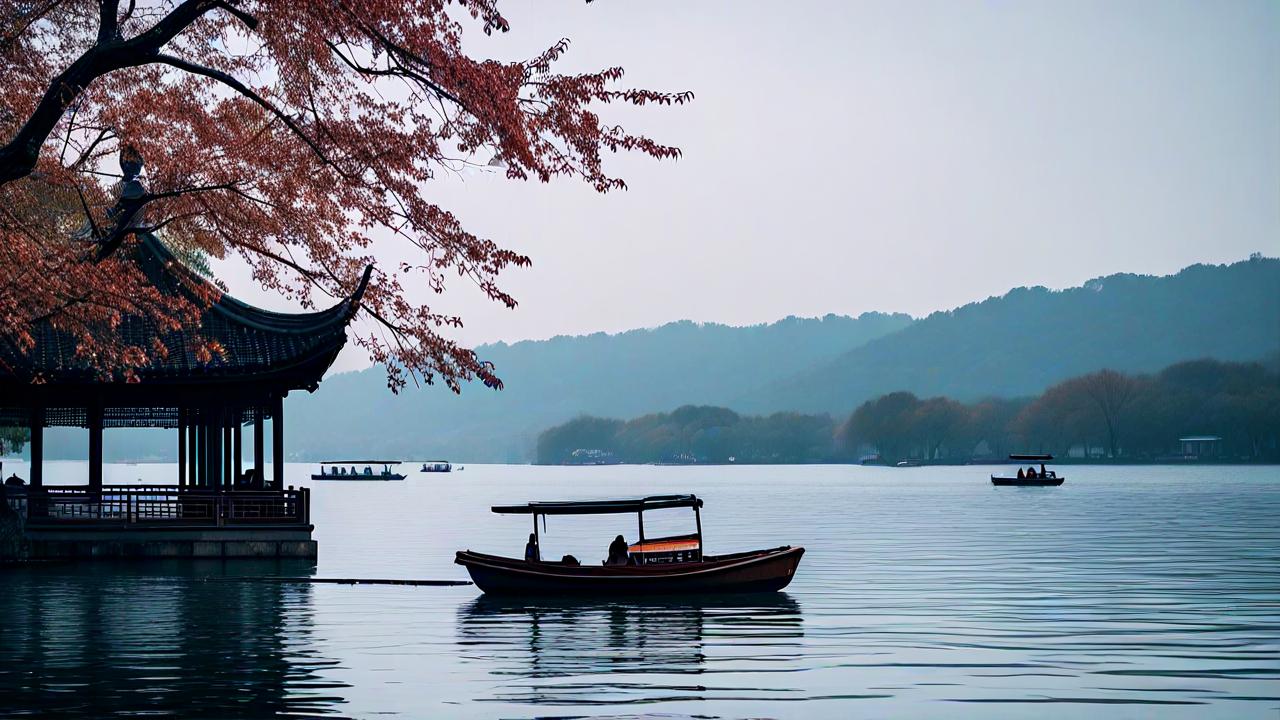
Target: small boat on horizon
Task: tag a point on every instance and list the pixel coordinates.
(650, 566)
(436, 466)
(1031, 477)
(337, 470)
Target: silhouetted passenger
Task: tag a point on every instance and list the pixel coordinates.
(1031, 472)
(1021, 474)
(531, 549)
(617, 552)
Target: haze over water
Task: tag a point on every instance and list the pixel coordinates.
(925, 592)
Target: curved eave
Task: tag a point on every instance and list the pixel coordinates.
(288, 350)
(248, 315)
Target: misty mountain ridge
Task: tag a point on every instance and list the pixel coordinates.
(1011, 345)
(1021, 342)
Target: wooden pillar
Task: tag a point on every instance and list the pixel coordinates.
(37, 447)
(202, 440)
(697, 519)
(259, 449)
(277, 443)
(182, 447)
(95, 446)
(193, 447)
(228, 481)
(238, 452)
(215, 452)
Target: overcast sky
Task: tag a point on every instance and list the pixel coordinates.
(849, 156)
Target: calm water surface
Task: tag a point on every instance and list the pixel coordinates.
(1126, 593)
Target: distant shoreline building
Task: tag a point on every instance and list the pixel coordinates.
(1201, 447)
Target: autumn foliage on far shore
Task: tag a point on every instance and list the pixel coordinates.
(302, 137)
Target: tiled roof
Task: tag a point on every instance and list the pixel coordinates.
(256, 343)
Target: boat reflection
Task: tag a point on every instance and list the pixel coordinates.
(178, 640)
(551, 641)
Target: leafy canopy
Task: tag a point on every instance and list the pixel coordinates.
(295, 135)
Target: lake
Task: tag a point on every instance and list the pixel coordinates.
(925, 592)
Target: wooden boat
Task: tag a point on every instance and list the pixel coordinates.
(658, 566)
(436, 466)
(337, 470)
(1042, 478)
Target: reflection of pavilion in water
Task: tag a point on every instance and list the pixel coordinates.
(547, 639)
(106, 641)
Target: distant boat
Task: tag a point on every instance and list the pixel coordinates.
(908, 463)
(437, 466)
(337, 470)
(1032, 479)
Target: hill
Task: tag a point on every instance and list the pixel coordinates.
(1030, 338)
(551, 381)
(1015, 345)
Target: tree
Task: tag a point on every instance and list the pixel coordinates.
(885, 423)
(1111, 393)
(13, 439)
(991, 421)
(298, 136)
(557, 444)
(935, 421)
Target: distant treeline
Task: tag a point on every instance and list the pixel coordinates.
(691, 433)
(1102, 414)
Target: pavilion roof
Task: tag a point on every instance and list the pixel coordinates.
(290, 350)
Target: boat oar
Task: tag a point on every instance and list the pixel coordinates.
(344, 581)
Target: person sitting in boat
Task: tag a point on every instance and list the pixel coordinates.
(1021, 474)
(1031, 472)
(617, 552)
(531, 554)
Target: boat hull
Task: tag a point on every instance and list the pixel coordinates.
(752, 572)
(358, 477)
(1027, 482)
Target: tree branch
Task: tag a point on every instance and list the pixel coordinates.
(244, 90)
(18, 157)
(108, 21)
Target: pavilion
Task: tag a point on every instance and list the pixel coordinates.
(216, 506)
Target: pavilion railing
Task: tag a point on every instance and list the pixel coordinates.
(164, 506)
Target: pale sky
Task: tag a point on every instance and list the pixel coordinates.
(846, 156)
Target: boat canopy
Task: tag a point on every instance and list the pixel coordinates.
(602, 507)
(360, 462)
(1031, 457)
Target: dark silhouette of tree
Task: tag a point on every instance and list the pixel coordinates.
(1111, 393)
(1131, 417)
(884, 423)
(936, 421)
